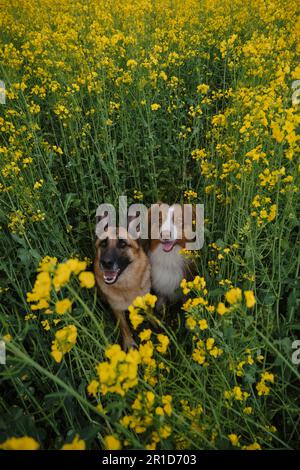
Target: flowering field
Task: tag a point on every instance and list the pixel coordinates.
(157, 100)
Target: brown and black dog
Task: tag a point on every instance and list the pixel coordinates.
(122, 272)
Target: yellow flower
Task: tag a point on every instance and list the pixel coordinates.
(261, 386)
(146, 352)
(254, 446)
(93, 387)
(148, 300)
(190, 194)
(20, 443)
(131, 63)
(236, 393)
(38, 184)
(165, 431)
(138, 195)
(190, 323)
(76, 444)
(145, 335)
(41, 291)
(112, 443)
(184, 286)
(203, 88)
(155, 106)
(142, 303)
(198, 356)
(62, 276)
(45, 324)
(250, 299)
(119, 373)
(87, 279)
(209, 343)
(75, 265)
(234, 295)
(203, 324)
(63, 306)
(218, 120)
(268, 377)
(135, 318)
(64, 341)
(167, 400)
(234, 439)
(163, 75)
(221, 308)
(164, 343)
(216, 352)
(247, 410)
(7, 338)
(48, 264)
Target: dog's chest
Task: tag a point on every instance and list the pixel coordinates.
(167, 271)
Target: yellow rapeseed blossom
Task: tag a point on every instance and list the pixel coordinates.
(145, 335)
(112, 443)
(234, 439)
(261, 387)
(64, 341)
(144, 304)
(221, 308)
(234, 295)
(118, 374)
(87, 279)
(63, 306)
(250, 298)
(20, 443)
(7, 338)
(247, 410)
(203, 324)
(93, 388)
(191, 323)
(76, 444)
(155, 106)
(254, 446)
(163, 343)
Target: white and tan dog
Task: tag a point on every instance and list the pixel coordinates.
(169, 265)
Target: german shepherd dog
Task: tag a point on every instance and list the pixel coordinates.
(122, 272)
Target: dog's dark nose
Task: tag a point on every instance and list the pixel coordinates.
(107, 263)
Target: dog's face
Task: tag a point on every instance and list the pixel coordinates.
(116, 250)
(171, 226)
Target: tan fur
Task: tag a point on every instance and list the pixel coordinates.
(134, 281)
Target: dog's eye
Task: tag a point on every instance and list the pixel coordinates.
(122, 243)
(103, 243)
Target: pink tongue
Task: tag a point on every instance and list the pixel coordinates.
(110, 273)
(110, 276)
(167, 246)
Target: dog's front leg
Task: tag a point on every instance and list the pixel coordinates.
(127, 338)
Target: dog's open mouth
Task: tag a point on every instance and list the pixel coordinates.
(110, 276)
(168, 245)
